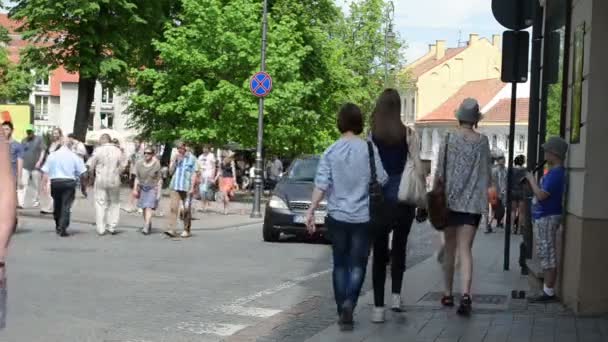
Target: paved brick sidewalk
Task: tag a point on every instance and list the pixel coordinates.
(497, 317)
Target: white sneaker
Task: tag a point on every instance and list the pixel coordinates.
(378, 314)
(397, 304)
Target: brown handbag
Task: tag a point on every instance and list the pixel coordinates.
(437, 199)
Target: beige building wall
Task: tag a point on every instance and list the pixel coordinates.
(584, 276)
(480, 60)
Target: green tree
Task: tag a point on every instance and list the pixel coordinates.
(199, 89)
(99, 39)
(16, 80)
(554, 109)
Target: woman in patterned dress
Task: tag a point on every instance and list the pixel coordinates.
(464, 163)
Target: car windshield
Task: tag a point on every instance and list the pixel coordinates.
(303, 170)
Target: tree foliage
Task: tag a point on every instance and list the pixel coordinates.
(554, 109)
(15, 79)
(99, 39)
(199, 89)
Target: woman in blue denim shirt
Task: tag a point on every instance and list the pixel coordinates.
(343, 176)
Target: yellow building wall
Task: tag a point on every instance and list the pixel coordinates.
(481, 60)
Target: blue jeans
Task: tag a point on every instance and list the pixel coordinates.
(350, 244)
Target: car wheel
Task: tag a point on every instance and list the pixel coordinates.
(270, 234)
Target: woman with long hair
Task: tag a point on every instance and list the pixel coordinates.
(390, 135)
(464, 164)
(227, 180)
(344, 176)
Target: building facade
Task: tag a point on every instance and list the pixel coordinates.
(582, 30)
(54, 98)
(439, 74)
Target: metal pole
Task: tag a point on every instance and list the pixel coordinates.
(510, 175)
(256, 212)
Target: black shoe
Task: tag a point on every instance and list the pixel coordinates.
(543, 299)
(466, 306)
(42, 212)
(489, 231)
(64, 233)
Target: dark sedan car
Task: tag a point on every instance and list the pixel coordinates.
(286, 210)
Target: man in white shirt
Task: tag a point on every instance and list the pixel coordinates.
(207, 166)
(107, 162)
(63, 168)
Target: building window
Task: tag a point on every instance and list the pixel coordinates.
(42, 82)
(522, 142)
(414, 107)
(41, 107)
(494, 141)
(507, 142)
(107, 95)
(107, 120)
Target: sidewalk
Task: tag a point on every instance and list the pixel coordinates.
(497, 317)
(83, 211)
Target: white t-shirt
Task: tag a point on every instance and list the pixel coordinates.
(206, 163)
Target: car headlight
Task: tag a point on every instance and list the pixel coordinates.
(277, 202)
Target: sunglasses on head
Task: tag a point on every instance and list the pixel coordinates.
(148, 153)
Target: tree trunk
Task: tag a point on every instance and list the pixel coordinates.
(86, 93)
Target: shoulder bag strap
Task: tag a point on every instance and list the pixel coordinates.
(372, 163)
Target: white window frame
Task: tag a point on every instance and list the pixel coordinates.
(41, 107)
(43, 82)
(522, 142)
(107, 95)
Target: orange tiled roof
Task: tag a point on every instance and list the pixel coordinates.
(484, 91)
(501, 112)
(9, 24)
(429, 64)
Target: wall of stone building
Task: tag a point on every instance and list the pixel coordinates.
(501, 132)
(584, 279)
(481, 60)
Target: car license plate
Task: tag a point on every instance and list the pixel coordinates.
(300, 219)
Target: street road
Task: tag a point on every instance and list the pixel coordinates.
(132, 288)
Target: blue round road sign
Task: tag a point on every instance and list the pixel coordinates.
(260, 84)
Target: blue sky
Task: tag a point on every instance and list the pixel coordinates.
(422, 22)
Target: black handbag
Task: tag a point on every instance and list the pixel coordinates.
(376, 195)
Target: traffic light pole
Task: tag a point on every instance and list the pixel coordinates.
(257, 201)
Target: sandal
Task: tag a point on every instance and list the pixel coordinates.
(465, 307)
(447, 301)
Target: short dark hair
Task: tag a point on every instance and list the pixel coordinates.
(350, 119)
(520, 160)
(9, 124)
(71, 135)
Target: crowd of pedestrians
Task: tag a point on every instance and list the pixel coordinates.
(48, 176)
(361, 219)
(369, 184)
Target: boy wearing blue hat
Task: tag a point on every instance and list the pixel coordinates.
(547, 213)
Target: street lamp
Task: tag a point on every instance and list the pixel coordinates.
(389, 36)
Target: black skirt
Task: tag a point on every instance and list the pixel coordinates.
(457, 219)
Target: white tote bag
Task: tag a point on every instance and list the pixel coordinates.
(412, 189)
